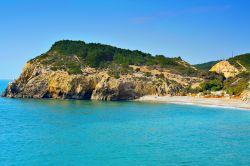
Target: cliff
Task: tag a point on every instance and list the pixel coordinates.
(226, 68)
(38, 81)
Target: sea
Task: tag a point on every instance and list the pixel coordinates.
(46, 132)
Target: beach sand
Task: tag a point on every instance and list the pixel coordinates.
(218, 102)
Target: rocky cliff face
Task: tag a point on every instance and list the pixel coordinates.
(39, 81)
(226, 68)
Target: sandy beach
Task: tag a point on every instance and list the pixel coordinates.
(212, 102)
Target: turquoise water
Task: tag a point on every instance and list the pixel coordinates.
(56, 132)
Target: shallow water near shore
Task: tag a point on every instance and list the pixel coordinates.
(71, 132)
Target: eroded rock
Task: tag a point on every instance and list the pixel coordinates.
(38, 81)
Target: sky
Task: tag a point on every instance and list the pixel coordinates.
(197, 30)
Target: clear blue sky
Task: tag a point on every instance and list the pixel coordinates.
(196, 30)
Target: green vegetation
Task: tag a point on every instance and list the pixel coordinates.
(235, 86)
(67, 47)
(206, 66)
(213, 85)
(237, 89)
(65, 52)
(161, 76)
(148, 74)
(208, 76)
(243, 59)
(212, 82)
(115, 70)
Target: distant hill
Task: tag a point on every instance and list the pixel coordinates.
(236, 70)
(241, 60)
(233, 66)
(206, 66)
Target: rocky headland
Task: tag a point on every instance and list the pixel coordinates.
(77, 70)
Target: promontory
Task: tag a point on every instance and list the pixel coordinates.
(84, 71)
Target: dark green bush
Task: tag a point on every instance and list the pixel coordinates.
(213, 85)
(148, 74)
(237, 89)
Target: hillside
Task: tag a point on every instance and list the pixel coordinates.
(241, 61)
(233, 66)
(236, 71)
(73, 55)
(79, 70)
(226, 68)
(206, 66)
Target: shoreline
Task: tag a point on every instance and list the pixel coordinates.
(201, 101)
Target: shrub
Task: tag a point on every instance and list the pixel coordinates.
(160, 76)
(213, 85)
(137, 69)
(148, 74)
(237, 89)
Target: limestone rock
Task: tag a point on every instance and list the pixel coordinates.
(38, 81)
(226, 68)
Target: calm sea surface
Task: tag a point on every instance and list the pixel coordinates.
(57, 132)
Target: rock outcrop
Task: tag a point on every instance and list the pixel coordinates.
(39, 81)
(229, 70)
(226, 68)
